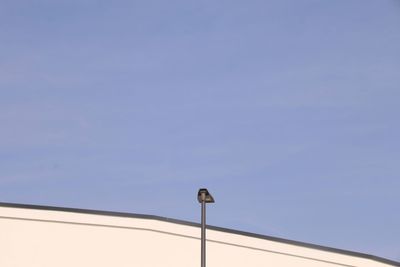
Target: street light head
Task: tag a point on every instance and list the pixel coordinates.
(205, 196)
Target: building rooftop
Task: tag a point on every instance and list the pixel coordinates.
(216, 228)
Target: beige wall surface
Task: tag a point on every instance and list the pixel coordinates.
(50, 238)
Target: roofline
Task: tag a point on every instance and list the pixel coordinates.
(216, 228)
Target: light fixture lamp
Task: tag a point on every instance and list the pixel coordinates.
(204, 195)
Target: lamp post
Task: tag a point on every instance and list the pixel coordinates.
(203, 196)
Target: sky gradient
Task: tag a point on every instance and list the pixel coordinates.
(287, 111)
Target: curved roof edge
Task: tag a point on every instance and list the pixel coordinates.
(238, 232)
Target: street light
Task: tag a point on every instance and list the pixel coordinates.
(203, 196)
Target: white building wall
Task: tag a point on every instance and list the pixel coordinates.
(48, 238)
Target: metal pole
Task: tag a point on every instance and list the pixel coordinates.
(203, 231)
(204, 197)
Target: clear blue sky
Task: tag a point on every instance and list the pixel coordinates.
(288, 111)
